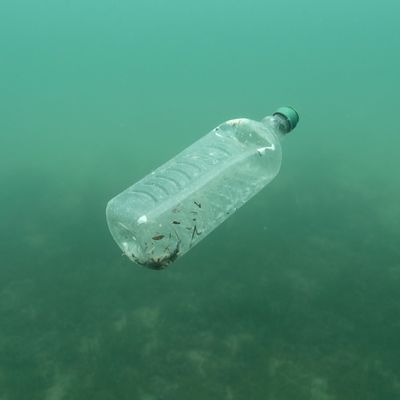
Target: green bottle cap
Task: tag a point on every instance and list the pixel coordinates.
(290, 114)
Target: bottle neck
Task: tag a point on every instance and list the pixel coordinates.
(279, 124)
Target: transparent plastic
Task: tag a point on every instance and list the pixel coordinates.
(162, 216)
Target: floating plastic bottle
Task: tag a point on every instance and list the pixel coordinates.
(162, 216)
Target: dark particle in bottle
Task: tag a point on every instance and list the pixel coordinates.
(158, 237)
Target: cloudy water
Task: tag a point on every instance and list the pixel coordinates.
(295, 297)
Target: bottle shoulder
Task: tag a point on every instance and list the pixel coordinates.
(248, 132)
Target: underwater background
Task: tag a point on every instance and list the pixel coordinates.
(296, 296)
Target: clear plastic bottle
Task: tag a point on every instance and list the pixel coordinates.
(166, 213)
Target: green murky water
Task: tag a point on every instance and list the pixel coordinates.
(295, 297)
